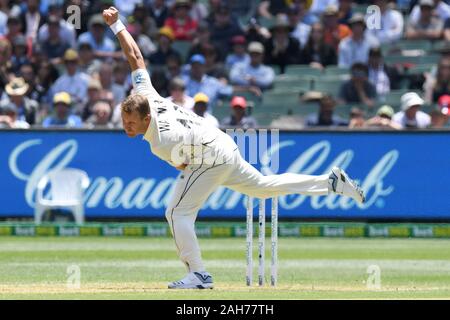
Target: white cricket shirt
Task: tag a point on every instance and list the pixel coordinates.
(177, 135)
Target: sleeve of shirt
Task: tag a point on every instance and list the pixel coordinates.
(225, 90)
(343, 56)
(266, 79)
(237, 74)
(371, 91)
(398, 23)
(142, 83)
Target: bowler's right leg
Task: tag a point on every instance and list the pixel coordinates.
(248, 180)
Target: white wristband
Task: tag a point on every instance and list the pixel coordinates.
(117, 26)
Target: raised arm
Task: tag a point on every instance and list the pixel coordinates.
(129, 46)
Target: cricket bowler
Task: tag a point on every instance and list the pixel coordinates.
(206, 157)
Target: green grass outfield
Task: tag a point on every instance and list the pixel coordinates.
(140, 268)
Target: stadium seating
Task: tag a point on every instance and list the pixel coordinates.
(221, 112)
(330, 86)
(182, 47)
(336, 71)
(293, 82)
(281, 100)
(303, 70)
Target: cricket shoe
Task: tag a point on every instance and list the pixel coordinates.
(340, 183)
(193, 280)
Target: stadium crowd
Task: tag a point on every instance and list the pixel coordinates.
(225, 60)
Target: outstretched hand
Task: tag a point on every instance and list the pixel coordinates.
(110, 15)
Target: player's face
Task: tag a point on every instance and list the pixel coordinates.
(133, 124)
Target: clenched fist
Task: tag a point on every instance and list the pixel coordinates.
(110, 15)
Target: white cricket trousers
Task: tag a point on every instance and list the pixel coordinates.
(196, 183)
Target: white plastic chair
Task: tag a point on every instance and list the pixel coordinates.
(67, 188)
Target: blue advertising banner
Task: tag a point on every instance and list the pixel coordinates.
(405, 174)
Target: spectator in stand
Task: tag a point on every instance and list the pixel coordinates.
(201, 40)
(160, 80)
(88, 64)
(101, 117)
(381, 76)
(121, 75)
(383, 119)
(62, 116)
(254, 32)
(300, 30)
(200, 108)
(355, 48)
(391, 24)
(181, 23)
(32, 19)
(357, 119)
(334, 31)
(94, 93)
(345, 11)
(325, 116)
(238, 117)
(102, 45)
(440, 85)
(47, 74)
(55, 46)
(197, 81)
(159, 11)
(447, 30)
(27, 72)
(177, 89)
(66, 29)
(173, 65)
(9, 117)
(9, 8)
(410, 116)
(440, 118)
(5, 64)
(165, 39)
(239, 8)
(199, 11)
(318, 7)
(316, 52)
(125, 7)
(282, 49)
(26, 108)
(14, 27)
(143, 41)
(269, 9)
(3, 16)
(144, 25)
(358, 89)
(107, 80)
(214, 67)
(19, 53)
(72, 81)
(239, 53)
(223, 29)
(441, 10)
(427, 27)
(254, 73)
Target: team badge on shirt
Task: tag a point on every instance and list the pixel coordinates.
(138, 78)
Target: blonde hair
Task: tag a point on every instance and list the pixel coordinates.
(138, 103)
